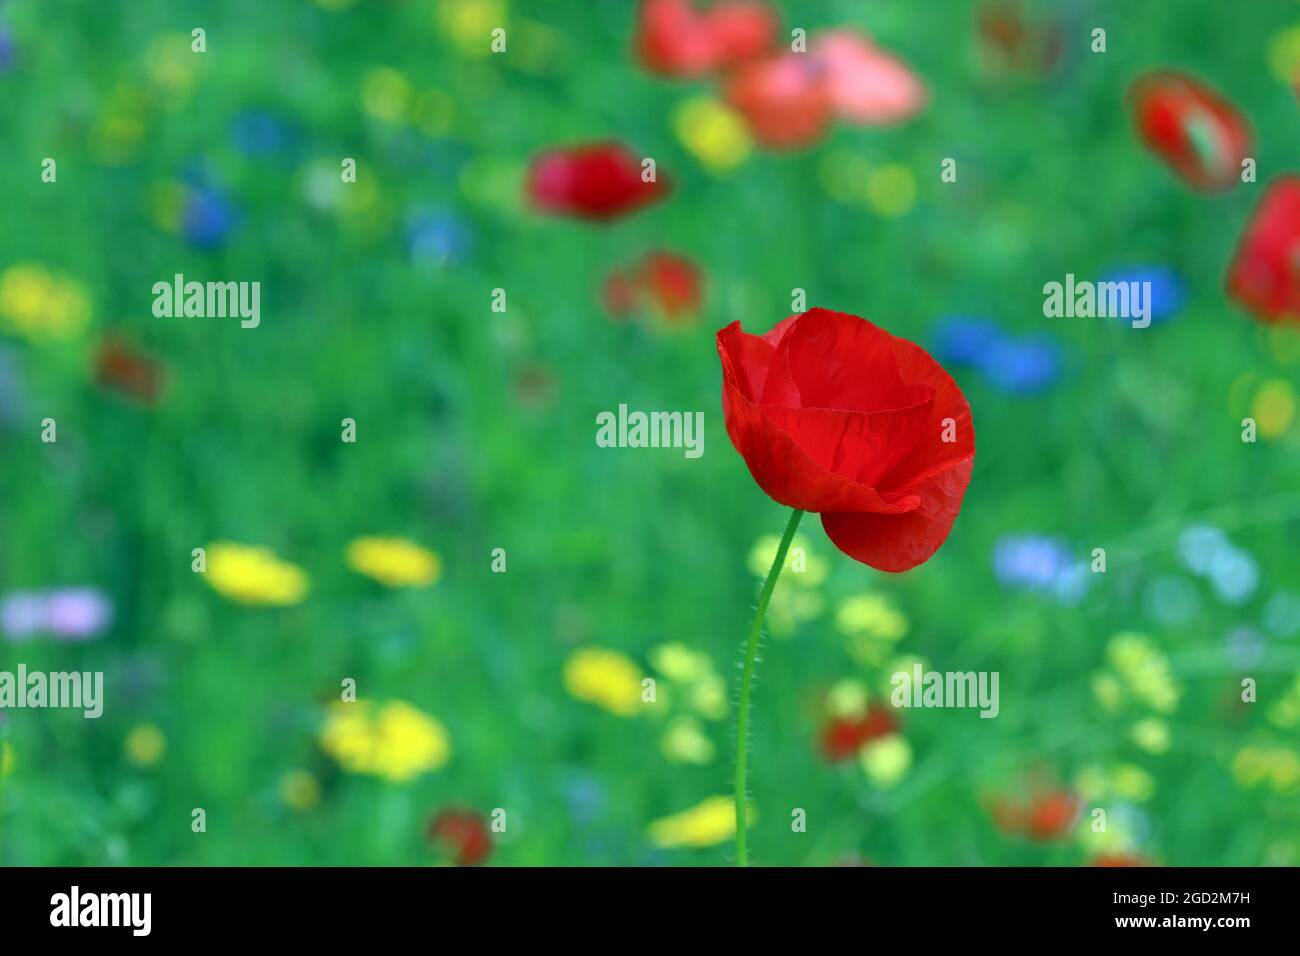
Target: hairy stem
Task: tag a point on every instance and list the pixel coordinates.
(747, 679)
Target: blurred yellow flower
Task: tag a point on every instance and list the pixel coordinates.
(171, 64)
(300, 790)
(802, 567)
(1152, 735)
(685, 742)
(715, 135)
(41, 305)
(872, 615)
(395, 740)
(605, 678)
(708, 696)
(847, 698)
(394, 562)
(1284, 55)
(891, 190)
(1278, 767)
(385, 94)
(886, 760)
(469, 23)
(1132, 782)
(1273, 408)
(1286, 712)
(145, 745)
(252, 575)
(706, 824)
(678, 662)
(1144, 670)
(1108, 691)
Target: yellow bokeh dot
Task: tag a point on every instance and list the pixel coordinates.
(385, 94)
(1284, 55)
(712, 133)
(891, 190)
(1273, 408)
(469, 23)
(886, 760)
(1152, 735)
(145, 745)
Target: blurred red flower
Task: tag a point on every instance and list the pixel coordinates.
(1265, 274)
(1119, 859)
(1201, 136)
(789, 99)
(125, 369)
(837, 416)
(867, 85)
(783, 100)
(463, 833)
(674, 38)
(669, 282)
(1045, 816)
(842, 737)
(598, 181)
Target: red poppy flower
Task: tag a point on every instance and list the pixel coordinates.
(842, 737)
(599, 181)
(837, 416)
(1201, 136)
(122, 367)
(669, 282)
(675, 39)
(1265, 275)
(462, 832)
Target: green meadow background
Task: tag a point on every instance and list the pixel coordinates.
(475, 430)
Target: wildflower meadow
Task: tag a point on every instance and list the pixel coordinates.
(548, 432)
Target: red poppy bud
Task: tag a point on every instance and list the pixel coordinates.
(1200, 135)
(599, 181)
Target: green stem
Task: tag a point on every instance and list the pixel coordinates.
(747, 678)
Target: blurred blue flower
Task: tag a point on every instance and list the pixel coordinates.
(964, 340)
(1235, 575)
(438, 238)
(6, 48)
(1039, 563)
(1017, 366)
(1168, 291)
(207, 217)
(73, 614)
(1282, 614)
(1199, 545)
(258, 133)
(1022, 366)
